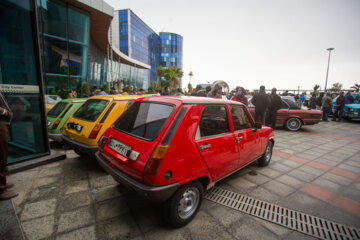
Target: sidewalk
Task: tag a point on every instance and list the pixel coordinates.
(315, 171)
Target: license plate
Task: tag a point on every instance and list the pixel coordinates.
(119, 147)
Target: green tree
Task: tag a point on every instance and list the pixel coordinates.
(85, 88)
(160, 72)
(106, 87)
(316, 87)
(336, 87)
(190, 75)
(356, 87)
(190, 88)
(172, 75)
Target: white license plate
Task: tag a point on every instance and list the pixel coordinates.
(119, 147)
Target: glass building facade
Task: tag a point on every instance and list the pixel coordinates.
(140, 42)
(20, 80)
(64, 38)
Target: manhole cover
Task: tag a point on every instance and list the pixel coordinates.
(298, 221)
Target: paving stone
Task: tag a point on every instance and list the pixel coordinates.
(77, 186)
(102, 181)
(290, 181)
(257, 179)
(274, 228)
(291, 164)
(327, 162)
(74, 200)
(241, 183)
(301, 175)
(279, 167)
(355, 169)
(111, 208)
(204, 226)
(86, 233)
(302, 202)
(324, 183)
(71, 175)
(299, 236)
(307, 156)
(46, 172)
(278, 188)
(264, 194)
(249, 228)
(226, 216)
(165, 233)
(337, 179)
(47, 181)
(311, 170)
(39, 228)
(121, 227)
(101, 194)
(75, 219)
(149, 218)
(38, 209)
(43, 193)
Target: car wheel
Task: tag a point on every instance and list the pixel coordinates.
(265, 159)
(182, 207)
(293, 124)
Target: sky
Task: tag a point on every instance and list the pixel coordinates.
(277, 43)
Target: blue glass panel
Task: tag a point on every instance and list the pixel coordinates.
(53, 17)
(78, 26)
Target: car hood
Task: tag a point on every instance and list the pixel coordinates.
(354, 106)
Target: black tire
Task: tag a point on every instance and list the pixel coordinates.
(293, 124)
(80, 153)
(183, 206)
(266, 157)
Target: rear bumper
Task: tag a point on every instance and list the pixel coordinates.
(80, 146)
(56, 137)
(156, 194)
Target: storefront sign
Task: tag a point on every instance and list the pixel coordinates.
(16, 88)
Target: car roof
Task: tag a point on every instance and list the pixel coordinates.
(116, 97)
(74, 100)
(190, 100)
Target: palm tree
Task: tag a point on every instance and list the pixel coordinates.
(172, 75)
(316, 87)
(190, 75)
(356, 87)
(160, 72)
(336, 87)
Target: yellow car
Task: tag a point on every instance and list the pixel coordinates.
(84, 128)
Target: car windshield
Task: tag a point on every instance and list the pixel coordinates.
(91, 109)
(292, 104)
(144, 119)
(57, 109)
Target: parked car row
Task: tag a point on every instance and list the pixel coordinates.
(168, 149)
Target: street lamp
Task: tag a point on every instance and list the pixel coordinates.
(327, 72)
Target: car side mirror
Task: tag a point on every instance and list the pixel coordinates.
(258, 125)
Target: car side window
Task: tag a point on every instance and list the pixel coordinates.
(240, 119)
(284, 105)
(214, 121)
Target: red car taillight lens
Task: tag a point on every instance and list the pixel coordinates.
(56, 123)
(102, 141)
(95, 131)
(156, 159)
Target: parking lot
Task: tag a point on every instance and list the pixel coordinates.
(314, 171)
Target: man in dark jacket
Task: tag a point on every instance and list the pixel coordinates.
(312, 104)
(261, 102)
(275, 104)
(339, 107)
(5, 119)
(319, 101)
(349, 99)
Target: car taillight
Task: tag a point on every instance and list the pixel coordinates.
(102, 141)
(156, 159)
(56, 123)
(95, 131)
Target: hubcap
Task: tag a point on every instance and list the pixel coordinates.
(188, 202)
(294, 124)
(268, 153)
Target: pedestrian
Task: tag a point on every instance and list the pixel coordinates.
(339, 107)
(5, 120)
(93, 92)
(348, 99)
(74, 93)
(179, 92)
(319, 101)
(113, 91)
(102, 92)
(261, 102)
(240, 96)
(140, 92)
(312, 104)
(274, 105)
(85, 95)
(158, 92)
(198, 92)
(207, 90)
(166, 92)
(124, 92)
(70, 95)
(326, 103)
(216, 91)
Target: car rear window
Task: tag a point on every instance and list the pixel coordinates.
(57, 109)
(292, 104)
(144, 119)
(91, 109)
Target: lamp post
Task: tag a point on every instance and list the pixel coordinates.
(327, 72)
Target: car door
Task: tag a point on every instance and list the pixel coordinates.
(246, 136)
(282, 113)
(215, 142)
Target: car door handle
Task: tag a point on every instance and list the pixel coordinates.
(205, 146)
(239, 138)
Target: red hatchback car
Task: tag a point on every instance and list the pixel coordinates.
(171, 149)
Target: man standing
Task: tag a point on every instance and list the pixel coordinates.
(275, 104)
(215, 91)
(326, 106)
(261, 102)
(319, 101)
(339, 107)
(5, 119)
